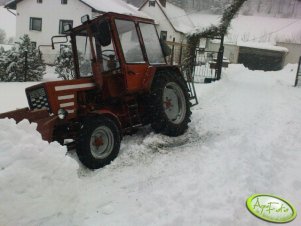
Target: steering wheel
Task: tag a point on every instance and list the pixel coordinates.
(112, 63)
(108, 56)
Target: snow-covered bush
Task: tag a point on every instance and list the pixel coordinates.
(22, 63)
(2, 62)
(64, 65)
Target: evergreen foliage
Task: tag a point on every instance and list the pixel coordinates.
(22, 63)
(2, 67)
(64, 65)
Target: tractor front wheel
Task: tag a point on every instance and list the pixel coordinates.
(170, 106)
(98, 143)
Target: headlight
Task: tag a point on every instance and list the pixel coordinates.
(62, 113)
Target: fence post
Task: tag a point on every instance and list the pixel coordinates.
(181, 52)
(172, 51)
(220, 59)
(25, 66)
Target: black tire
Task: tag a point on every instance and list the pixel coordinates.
(98, 142)
(162, 121)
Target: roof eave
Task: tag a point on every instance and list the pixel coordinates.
(11, 5)
(142, 5)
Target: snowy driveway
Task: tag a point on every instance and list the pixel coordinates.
(245, 138)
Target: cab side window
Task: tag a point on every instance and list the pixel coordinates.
(152, 44)
(129, 41)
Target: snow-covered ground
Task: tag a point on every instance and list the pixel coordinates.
(12, 94)
(244, 139)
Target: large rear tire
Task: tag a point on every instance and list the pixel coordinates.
(170, 106)
(98, 143)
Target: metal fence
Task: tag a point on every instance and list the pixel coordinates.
(207, 64)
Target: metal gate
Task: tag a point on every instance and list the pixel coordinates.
(208, 63)
(204, 68)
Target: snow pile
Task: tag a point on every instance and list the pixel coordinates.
(244, 139)
(32, 173)
(23, 150)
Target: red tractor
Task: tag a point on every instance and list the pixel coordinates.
(122, 82)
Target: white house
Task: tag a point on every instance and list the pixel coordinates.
(42, 19)
(172, 21)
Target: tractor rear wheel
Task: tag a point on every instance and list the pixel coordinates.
(98, 143)
(170, 106)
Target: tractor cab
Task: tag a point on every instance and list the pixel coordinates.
(120, 52)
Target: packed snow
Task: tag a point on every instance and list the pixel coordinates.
(244, 138)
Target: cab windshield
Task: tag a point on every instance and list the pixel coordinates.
(105, 55)
(84, 54)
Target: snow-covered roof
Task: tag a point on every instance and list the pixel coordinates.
(178, 17)
(175, 15)
(12, 4)
(116, 6)
(202, 21)
(266, 46)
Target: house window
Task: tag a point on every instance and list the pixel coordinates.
(152, 3)
(63, 23)
(34, 45)
(64, 2)
(35, 24)
(40, 1)
(163, 35)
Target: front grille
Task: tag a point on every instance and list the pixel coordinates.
(38, 99)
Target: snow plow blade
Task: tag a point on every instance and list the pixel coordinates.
(45, 122)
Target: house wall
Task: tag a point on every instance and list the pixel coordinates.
(162, 22)
(51, 11)
(294, 52)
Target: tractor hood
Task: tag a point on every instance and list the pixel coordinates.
(46, 99)
(53, 96)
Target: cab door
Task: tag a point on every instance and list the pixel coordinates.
(135, 66)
